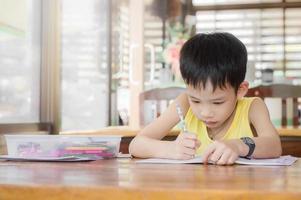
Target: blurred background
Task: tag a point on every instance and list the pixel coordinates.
(81, 64)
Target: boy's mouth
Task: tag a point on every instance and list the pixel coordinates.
(210, 123)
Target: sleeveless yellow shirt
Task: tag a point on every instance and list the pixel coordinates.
(240, 126)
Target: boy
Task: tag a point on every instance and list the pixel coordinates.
(222, 124)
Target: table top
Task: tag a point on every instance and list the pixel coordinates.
(124, 179)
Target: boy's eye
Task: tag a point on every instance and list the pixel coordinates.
(218, 103)
(194, 101)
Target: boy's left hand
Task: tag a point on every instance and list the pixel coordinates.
(221, 153)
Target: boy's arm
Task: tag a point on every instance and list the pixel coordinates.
(268, 141)
(148, 141)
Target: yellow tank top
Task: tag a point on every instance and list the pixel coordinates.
(240, 126)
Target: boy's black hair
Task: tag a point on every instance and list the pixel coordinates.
(218, 57)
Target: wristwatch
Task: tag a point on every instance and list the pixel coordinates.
(251, 144)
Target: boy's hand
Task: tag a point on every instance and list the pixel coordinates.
(221, 153)
(185, 146)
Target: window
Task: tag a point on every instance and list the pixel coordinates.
(84, 64)
(120, 62)
(270, 29)
(54, 58)
(20, 60)
(153, 31)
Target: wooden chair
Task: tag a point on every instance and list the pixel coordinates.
(155, 101)
(283, 91)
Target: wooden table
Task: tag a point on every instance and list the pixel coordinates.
(123, 179)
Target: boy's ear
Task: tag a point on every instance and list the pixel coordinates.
(242, 89)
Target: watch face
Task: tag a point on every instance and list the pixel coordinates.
(249, 140)
(250, 143)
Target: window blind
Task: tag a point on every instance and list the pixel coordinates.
(271, 35)
(85, 76)
(153, 36)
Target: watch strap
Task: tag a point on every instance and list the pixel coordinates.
(251, 144)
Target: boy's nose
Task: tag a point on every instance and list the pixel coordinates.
(206, 114)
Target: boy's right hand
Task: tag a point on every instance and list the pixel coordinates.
(185, 146)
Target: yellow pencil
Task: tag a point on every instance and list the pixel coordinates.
(181, 116)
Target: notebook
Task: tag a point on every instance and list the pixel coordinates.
(281, 161)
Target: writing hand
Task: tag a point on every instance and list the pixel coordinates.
(221, 153)
(185, 146)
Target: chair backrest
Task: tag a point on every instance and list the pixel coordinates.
(283, 91)
(155, 101)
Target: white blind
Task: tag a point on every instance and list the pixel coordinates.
(120, 44)
(84, 64)
(272, 36)
(293, 42)
(120, 62)
(153, 38)
(121, 52)
(153, 41)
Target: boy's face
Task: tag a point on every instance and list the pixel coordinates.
(212, 107)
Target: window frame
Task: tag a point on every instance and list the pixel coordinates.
(49, 79)
(49, 76)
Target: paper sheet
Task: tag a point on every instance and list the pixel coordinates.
(48, 159)
(58, 159)
(281, 161)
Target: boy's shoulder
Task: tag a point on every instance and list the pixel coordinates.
(250, 100)
(248, 104)
(247, 101)
(256, 106)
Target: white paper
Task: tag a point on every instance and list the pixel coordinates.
(51, 159)
(171, 161)
(281, 161)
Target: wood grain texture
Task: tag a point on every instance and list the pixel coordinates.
(291, 145)
(123, 179)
